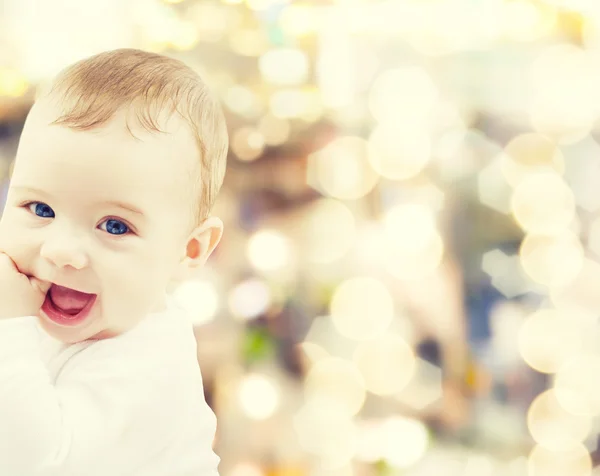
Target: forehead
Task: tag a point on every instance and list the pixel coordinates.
(109, 159)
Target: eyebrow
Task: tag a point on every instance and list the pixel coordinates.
(112, 203)
(124, 206)
(29, 189)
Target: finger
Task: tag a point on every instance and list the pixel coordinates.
(8, 261)
(41, 286)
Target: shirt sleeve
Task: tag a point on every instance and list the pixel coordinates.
(83, 423)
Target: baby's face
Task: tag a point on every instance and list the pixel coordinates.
(103, 216)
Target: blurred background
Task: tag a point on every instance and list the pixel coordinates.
(409, 280)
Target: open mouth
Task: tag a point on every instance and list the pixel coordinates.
(67, 306)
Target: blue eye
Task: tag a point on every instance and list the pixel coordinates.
(41, 209)
(114, 227)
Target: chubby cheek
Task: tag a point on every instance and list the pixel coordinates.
(19, 244)
(132, 288)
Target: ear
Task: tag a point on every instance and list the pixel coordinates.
(202, 242)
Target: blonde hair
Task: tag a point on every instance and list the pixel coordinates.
(94, 89)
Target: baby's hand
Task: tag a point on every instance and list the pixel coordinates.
(19, 295)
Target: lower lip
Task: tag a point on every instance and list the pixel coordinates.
(63, 319)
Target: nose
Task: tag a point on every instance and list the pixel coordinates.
(64, 250)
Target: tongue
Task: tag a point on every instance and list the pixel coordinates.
(69, 300)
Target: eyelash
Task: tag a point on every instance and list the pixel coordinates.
(130, 229)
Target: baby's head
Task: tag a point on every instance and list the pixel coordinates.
(116, 173)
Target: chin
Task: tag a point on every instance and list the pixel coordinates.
(67, 336)
(69, 331)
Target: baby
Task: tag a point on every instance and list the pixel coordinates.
(117, 169)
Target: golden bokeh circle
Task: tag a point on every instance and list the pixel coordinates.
(387, 364)
(529, 153)
(548, 338)
(577, 386)
(361, 308)
(543, 203)
(572, 462)
(553, 427)
(552, 260)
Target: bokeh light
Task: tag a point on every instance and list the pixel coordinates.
(350, 154)
(274, 130)
(548, 338)
(269, 250)
(493, 189)
(284, 66)
(296, 103)
(186, 36)
(507, 273)
(387, 364)
(545, 462)
(336, 67)
(398, 153)
(414, 247)
(361, 308)
(403, 96)
(424, 388)
(552, 260)
(300, 19)
(263, 4)
(481, 465)
(530, 153)
(370, 441)
(248, 42)
(212, 21)
(12, 83)
(577, 389)
(250, 298)
(581, 293)
(543, 203)
(527, 21)
(404, 441)
(565, 96)
(442, 28)
(326, 431)
(553, 427)
(199, 298)
(259, 396)
(328, 231)
(245, 103)
(247, 143)
(336, 380)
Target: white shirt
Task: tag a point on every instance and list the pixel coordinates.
(131, 405)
